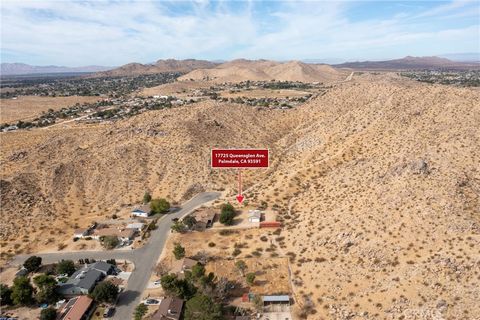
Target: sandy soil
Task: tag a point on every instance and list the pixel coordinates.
(29, 107)
(376, 182)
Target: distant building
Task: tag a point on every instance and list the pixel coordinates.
(142, 211)
(85, 279)
(78, 308)
(169, 309)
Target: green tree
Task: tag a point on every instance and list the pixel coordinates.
(178, 251)
(198, 271)
(48, 314)
(201, 307)
(5, 295)
(65, 267)
(182, 288)
(46, 289)
(32, 263)
(105, 292)
(189, 221)
(159, 206)
(140, 311)
(147, 197)
(22, 291)
(178, 226)
(110, 242)
(227, 214)
(250, 277)
(241, 266)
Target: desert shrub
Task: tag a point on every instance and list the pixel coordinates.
(250, 278)
(140, 311)
(178, 251)
(110, 242)
(147, 197)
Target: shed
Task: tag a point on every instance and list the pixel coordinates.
(282, 299)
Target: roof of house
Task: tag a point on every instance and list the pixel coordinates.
(101, 266)
(204, 215)
(135, 225)
(282, 298)
(87, 277)
(123, 233)
(143, 208)
(169, 308)
(76, 308)
(254, 214)
(116, 281)
(183, 264)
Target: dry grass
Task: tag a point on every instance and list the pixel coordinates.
(28, 107)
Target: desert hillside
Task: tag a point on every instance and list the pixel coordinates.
(380, 193)
(90, 172)
(376, 180)
(168, 65)
(265, 70)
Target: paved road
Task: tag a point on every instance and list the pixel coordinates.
(145, 258)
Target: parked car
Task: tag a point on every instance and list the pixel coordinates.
(108, 312)
(151, 302)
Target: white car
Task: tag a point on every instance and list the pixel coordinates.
(157, 282)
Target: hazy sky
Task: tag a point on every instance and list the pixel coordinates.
(75, 33)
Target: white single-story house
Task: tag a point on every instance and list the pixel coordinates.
(142, 211)
(254, 216)
(137, 226)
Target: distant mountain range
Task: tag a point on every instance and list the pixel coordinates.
(9, 69)
(450, 61)
(409, 63)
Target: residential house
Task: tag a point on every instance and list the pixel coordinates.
(169, 309)
(180, 266)
(123, 235)
(254, 216)
(142, 211)
(85, 279)
(204, 218)
(137, 226)
(78, 308)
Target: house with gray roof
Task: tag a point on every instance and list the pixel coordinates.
(84, 280)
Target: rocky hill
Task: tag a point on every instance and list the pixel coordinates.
(264, 70)
(169, 65)
(376, 182)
